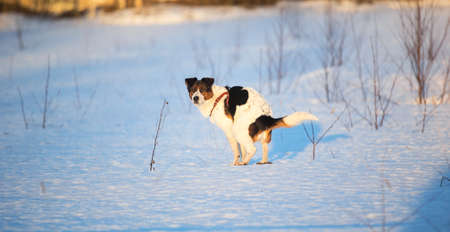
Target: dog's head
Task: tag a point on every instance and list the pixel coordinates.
(200, 91)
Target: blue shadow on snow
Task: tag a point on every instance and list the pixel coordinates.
(430, 212)
(287, 143)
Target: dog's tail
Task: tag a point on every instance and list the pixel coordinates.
(267, 123)
(293, 119)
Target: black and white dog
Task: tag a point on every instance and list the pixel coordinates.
(242, 113)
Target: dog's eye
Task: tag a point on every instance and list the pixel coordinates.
(202, 90)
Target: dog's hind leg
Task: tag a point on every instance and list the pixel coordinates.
(265, 147)
(265, 156)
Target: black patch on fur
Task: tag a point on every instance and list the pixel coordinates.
(236, 96)
(264, 122)
(209, 81)
(190, 82)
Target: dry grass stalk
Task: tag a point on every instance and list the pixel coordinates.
(158, 128)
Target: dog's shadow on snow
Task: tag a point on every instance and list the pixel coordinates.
(287, 143)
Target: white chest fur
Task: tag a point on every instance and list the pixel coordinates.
(217, 112)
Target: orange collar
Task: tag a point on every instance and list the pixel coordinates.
(217, 101)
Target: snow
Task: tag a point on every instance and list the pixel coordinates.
(89, 169)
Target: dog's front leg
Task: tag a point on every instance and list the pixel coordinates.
(234, 148)
(243, 152)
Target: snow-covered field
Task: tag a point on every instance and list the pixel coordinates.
(109, 75)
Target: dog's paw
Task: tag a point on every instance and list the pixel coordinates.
(268, 162)
(242, 163)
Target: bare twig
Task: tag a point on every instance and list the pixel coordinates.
(390, 226)
(258, 68)
(424, 117)
(277, 57)
(213, 62)
(19, 34)
(431, 224)
(77, 90)
(376, 91)
(426, 114)
(421, 44)
(358, 45)
(200, 50)
(362, 220)
(383, 184)
(443, 179)
(331, 48)
(444, 93)
(47, 81)
(80, 103)
(331, 126)
(43, 188)
(22, 108)
(155, 142)
(10, 69)
(417, 210)
(91, 99)
(316, 140)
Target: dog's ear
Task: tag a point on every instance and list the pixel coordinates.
(190, 82)
(208, 81)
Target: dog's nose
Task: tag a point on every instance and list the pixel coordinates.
(195, 99)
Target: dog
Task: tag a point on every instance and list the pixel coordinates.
(243, 115)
